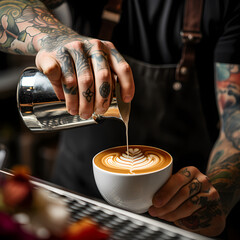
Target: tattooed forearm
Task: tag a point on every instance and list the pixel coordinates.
(26, 25)
(13, 14)
(225, 176)
(224, 165)
(228, 96)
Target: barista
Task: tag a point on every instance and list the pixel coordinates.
(179, 116)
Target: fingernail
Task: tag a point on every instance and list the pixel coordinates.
(73, 112)
(152, 211)
(127, 98)
(85, 116)
(157, 203)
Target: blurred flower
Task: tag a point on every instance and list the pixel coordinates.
(17, 190)
(50, 212)
(35, 214)
(11, 230)
(86, 229)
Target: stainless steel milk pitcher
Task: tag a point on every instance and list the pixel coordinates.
(41, 110)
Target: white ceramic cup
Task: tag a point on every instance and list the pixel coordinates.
(133, 192)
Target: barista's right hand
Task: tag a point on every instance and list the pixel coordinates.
(82, 71)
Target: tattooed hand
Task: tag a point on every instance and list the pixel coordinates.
(82, 72)
(80, 69)
(190, 201)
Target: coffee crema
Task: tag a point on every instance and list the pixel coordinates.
(137, 160)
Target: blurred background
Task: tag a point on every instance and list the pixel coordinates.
(35, 150)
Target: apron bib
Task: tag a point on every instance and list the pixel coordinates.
(168, 114)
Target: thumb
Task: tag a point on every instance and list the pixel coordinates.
(51, 68)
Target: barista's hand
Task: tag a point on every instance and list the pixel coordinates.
(190, 201)
(82, 71)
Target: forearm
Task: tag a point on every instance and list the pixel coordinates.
(224, 173)
(224, 165)
(28, 26)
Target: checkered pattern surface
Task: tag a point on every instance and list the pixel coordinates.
(123, 226)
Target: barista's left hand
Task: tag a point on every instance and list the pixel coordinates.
(190, 201)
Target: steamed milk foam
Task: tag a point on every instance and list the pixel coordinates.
(136, 160)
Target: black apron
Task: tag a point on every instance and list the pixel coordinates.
(165, 113)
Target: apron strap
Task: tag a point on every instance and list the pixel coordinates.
(191, 35)
(110, 18)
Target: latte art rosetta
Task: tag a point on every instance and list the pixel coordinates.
(134, 161)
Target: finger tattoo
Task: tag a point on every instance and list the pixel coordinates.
(194, 186)
(104, 89)
(186, 173)
(194, 200)
(82, 63)
(70, 90)
(87, 46)
(88, 94)
(66, 62)
(101, 59)
(202, 201)
(117, 55)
